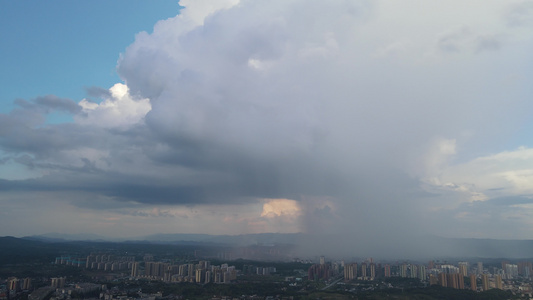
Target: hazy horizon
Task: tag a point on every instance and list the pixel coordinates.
(335, 247)
(382, 122)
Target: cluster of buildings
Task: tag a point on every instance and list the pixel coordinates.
(62, 292)
(103, 262)
(15, 284)
(460, 276)
(58, 282)
(366, 270)
(477, 277)
(57, 285)
(202, 272)
(253, 270)
(15, 287)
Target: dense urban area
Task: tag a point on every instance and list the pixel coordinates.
(36, 270)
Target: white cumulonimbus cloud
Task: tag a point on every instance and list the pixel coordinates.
(359, 111)
(118, 110)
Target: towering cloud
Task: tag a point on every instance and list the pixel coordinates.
(367, 117)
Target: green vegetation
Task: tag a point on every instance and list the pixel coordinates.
(282, 268)
(35, 270)
(196, 291)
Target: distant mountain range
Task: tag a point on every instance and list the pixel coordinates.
(238, 240)
(331, 245)
(60, 237)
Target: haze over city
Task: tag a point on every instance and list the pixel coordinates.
(382, 122)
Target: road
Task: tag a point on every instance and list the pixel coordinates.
(332, 284)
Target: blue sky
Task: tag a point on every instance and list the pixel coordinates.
(60, 47)
(249, 116)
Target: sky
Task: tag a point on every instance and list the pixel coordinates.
(375, 120)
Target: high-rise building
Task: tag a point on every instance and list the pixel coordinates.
(463, 268)
(350, 271)
(13, 284)
(155, 269)
(449, 269)
(322, 260)
(433, 280)
(413, 271)
(431, 264)
(200, 275)
(460, 281)
(317, 272)
(148, 268)
(372, 271)
(473, 283)
(163, 269)
(511, 270)
(58, 282)
(62, 281)
(525, 269)
(232, 274)
(422, 272)
(403, 270)
(387, 270)
(207, 277)
(191, 270)
(485, 281)
(443, 280)
(498, 282)
(182, 271)
(135, 269)
(54, 282)
(27, 283)
(504, 263)
(451, 281)
(363, 270)
(479, 267)
(218, 276)
(227, 277)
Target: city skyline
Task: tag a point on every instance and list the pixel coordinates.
(204, 272)
(384, 122)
